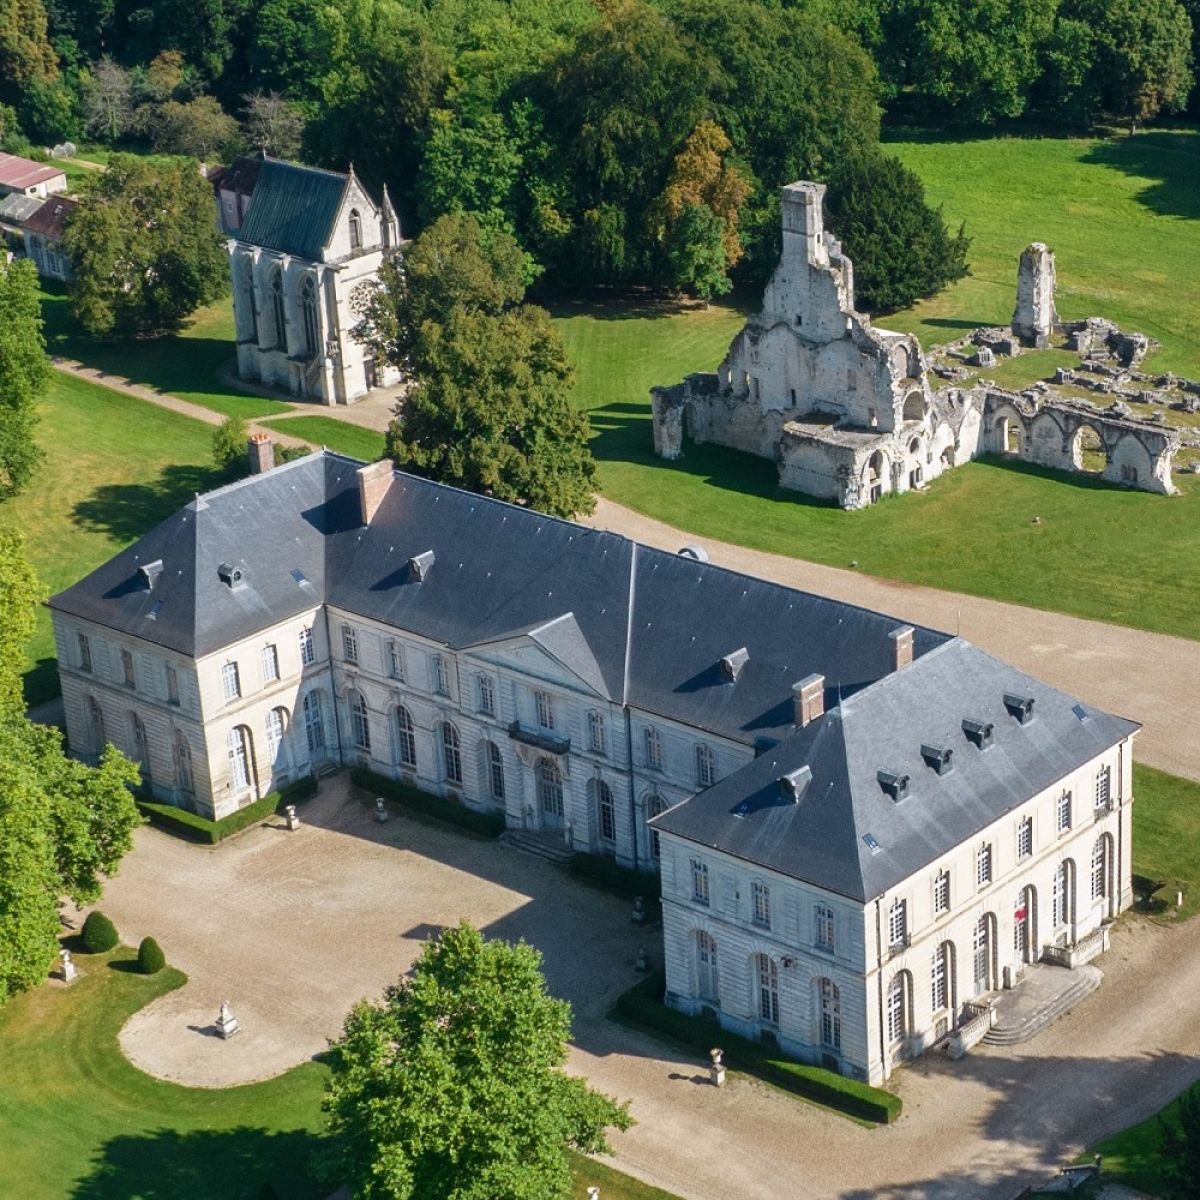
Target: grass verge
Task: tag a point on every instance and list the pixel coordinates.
(450, 812)
(196, 828)
(341, 436)
(1166, 842)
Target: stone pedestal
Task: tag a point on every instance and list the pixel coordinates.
(293, 821)
(227, 1023)
(716, 1070)
(381, 812)
(67, 969)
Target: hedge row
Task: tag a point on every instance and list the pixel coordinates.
(642, 1006)
(441, 809)
(625, 881)
(200, 829)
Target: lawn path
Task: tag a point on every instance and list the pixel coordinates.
(1149, 677)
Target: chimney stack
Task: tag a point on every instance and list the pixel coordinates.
(261, 452)
(902, 643)
(808, 700)
(373, 483)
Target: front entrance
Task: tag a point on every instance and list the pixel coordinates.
(550, 793)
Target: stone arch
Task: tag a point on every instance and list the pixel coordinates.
(916, 467)
(278, 309)
(707, 968)
(983, 954)
(944, 979)
(1130, 462)
(311, 318)
(451, 746)
(764, 986)
(1047, 437)
(898, 1008)
(1089, 451)
(1101, 879)
(315, 737)
(243, 765)
(1008, 432)
(278, 725)
(877, 475)
(404, 736)
(602, 810)
(355, 222)
(915, 406)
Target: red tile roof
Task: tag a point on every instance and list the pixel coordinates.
(24, 173)
(51, 219)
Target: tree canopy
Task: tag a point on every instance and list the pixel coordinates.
(24, 374)
(453, 1086)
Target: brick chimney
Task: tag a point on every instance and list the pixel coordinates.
(902, 642)
(373, 483)
(261, 452)
(808, 700)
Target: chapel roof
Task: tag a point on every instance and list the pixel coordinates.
(293, 208)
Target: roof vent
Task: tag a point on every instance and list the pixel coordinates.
(1021, 707)
(232, 577)
(940, 758)
(808, 700)
(979, 732)
(149, 572)
(895, 784)
(732, 664)
(419, 566)
(694, 552)
(794, 784)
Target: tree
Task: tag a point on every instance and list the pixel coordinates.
(49, 111)
(108, 99)
(229, 446)
(1181, 1148)
(900, 246)
(144, 248)
(24, 374)
(696, 252)
(453, 1086)
(282, 47)
(273, 124)
(199, 127)
(26, 56)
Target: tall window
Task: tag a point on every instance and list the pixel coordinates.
(653, 743)
(96, 721)
(699, 881)
(231, 684)
(768, 988)
(360, 724)
(308, 652)
(269, 658)
(761, 895)
(1103, 784)
(706, 766)
(1061, 901)
(897, 1026)
(487, 696)
(983, 864)
(277, 311)
(823, 934)
(441, 680)
(941, 893)
(275, 728)
(981, 944)
(314, 726)
(831, 1015)
(406, 737)
(545, 710)
(172, 686)
(350, 643)
(395, 659)
(606, 812)
(312, 327)
(706, 967)
(451, 753)
(127, 674)
(1064, 812)
(236, 744)
(549, 788)
(655, 805)
(85, 652)
(141, 747)
(355, 230)
(1098, 869)
(495, 766)
(897, 924)
(597, 734)
(939, 989)
(1025, 838)
(183, 765)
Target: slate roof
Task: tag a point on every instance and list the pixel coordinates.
(822, 838)
(50, 220)
(16, 208)
(293, 208)
(22, 173)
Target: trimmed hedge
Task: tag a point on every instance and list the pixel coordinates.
(625, 881)
(450, 811)
(99, 933)
(642, 1006)
(200, 829)
(151, 959)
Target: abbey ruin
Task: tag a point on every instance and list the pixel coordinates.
(848, 411)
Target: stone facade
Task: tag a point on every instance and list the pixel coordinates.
(1035, 316)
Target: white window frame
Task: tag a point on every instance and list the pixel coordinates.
(544, 708)
(1099, 869)
(451, 753)
(706, 765)
(1062, 810)
(128, 670)
(897, 1018)
(349, 643)
(360, 722)
(487, 695)
(701, 893)
(239, 758)
(308, 650)
(761, 904)
(941, 893)
(597, 733)
(406, 736)
(395, 651)
(897, 923)
(495, 765)
(606, 812)
(269, 663)
(441, 677)
(85, 652)
(939, 990)
(1103, 794)
(231, 681)
(983, 865)
(652, 743)
(824, 928)
(1025, 837)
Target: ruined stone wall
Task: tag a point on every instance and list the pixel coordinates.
(1035, 315)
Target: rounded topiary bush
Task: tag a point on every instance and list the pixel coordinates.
(99, 933)
(150, 957)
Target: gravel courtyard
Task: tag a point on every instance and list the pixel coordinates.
(293, 928)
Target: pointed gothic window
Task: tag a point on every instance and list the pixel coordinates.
(355, 230)
(312, 327)
(278, 312)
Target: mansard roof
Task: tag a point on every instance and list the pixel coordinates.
(50, 220)
(638, 625)
(873, 807)
(293, 208)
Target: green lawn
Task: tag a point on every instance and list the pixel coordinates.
(78, 1120)
(341, 436)
(114, 467)
(1166, 839)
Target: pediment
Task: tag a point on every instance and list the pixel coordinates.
(556, 652)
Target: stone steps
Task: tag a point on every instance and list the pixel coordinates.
(547, 846)
(1088, 979)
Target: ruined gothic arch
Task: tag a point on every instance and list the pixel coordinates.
(1008, 432)
(1089, 451)
(915, 406)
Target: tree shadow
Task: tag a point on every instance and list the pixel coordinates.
(41, 682)
(125, 511)
(640, 305)
(1171, 158)
(954, 323)
(203, 1164)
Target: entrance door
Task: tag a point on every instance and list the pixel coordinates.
(550, 794)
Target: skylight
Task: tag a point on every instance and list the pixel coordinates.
(872, 844)
(298, 575)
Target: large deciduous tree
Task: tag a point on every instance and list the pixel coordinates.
(24, 374)
(108, 100)
(273, 124)
(453, 1086)
(144, 248)
(26, 56)
(199, 127)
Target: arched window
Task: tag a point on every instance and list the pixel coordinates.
(981, 945)
(706, 967)
(312, 327)
(96, 725)
(606, 812)
(1061, 898)
(360, 723)
(831, 1014)
(183, 766)
(897, 1009)
(1099, 871)
(251, 303)
(451, 753)
(277, 311)
(141, 748)
(495, 770)
(655, 805)
(549, 788)
(940, 978)
(276, 728)
(767, 974)
(237, 744)
(314, 726)
(406, 737)
(355, 230)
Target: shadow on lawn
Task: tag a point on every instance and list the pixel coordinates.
(1171, 158)
(125, 511)
(230, 1164)
(641, 306)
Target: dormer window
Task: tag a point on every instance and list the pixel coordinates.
(148, 573)
(355, 230)
(793, 785)
(979, 732)
(895, 784)
(1021, 707)
(232, 577)
(732, 664)
(940, 758)
(419, 566)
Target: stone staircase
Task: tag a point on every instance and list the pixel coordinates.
(541, 844)
(1057, 992)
